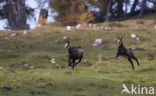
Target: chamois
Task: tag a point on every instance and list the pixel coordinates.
(74, 53)
(122, 51)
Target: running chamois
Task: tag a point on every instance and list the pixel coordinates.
(74, 54)
(122, 51)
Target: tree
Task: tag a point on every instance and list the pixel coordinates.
(16, 12)
(105, 7)
(43, 17)
(143, 6)
(119, 9)
(108, 11)
(133, 7)
(71, 12)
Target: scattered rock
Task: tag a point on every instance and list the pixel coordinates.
(56, 41)
(102, 27)
(30, 46)
(57, 64)
(23, 64)
(138, 38)
(84, 61)
(133, 36)
(31, 67)
(90, 24)
(100, 95)
(38, 92)
(52, 61)
(32, 92)
(6, 38)
(1, 68)
(68, 72)
(65, 37)
(25, 32)
(117, 22)
(151, 58)
(12, 35)
(26, 65)
(136, 27)
(41, 92)
(70, 28)
(78, 26)
(7, 88)
(104, 86)
(97, 42)
(108, 28)
(145, 27)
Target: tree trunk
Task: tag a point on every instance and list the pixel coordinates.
(17, 14)
(125, 12)
(133, 7)
(43, 17)
(120, 12)
(108, 13)
(142, 7)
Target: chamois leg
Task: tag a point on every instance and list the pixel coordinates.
(136, 60)
(73, 63)
(129, 59)
(79, 60)
(117, 55)
(69, 62)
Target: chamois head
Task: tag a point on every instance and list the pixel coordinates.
(67, 45)
(119, 40)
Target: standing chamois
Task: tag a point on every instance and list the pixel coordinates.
(122, 51)
(74, 53)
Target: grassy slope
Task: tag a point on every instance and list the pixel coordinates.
(100, 76)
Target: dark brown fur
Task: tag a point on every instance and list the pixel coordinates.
(122, 51)
(74, 53)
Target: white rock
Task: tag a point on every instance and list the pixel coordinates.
(155, 27)
(78, 26)
(52, 61)
(145, 27)
(97, 42)
(31, 67)
(133, 36)
(138, 38)
(102, 27)
(117, 22)
(108, 28)
(68, 28)
(65, 37)
(6, 38)
(25, 32)
(85, 61)
(57, 64)
(26, 65)
(90, 24)
(12, 35)
(1, 68)
(56, 41)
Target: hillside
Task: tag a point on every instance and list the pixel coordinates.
(26, 69)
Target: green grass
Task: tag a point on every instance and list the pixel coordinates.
(102, 75)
